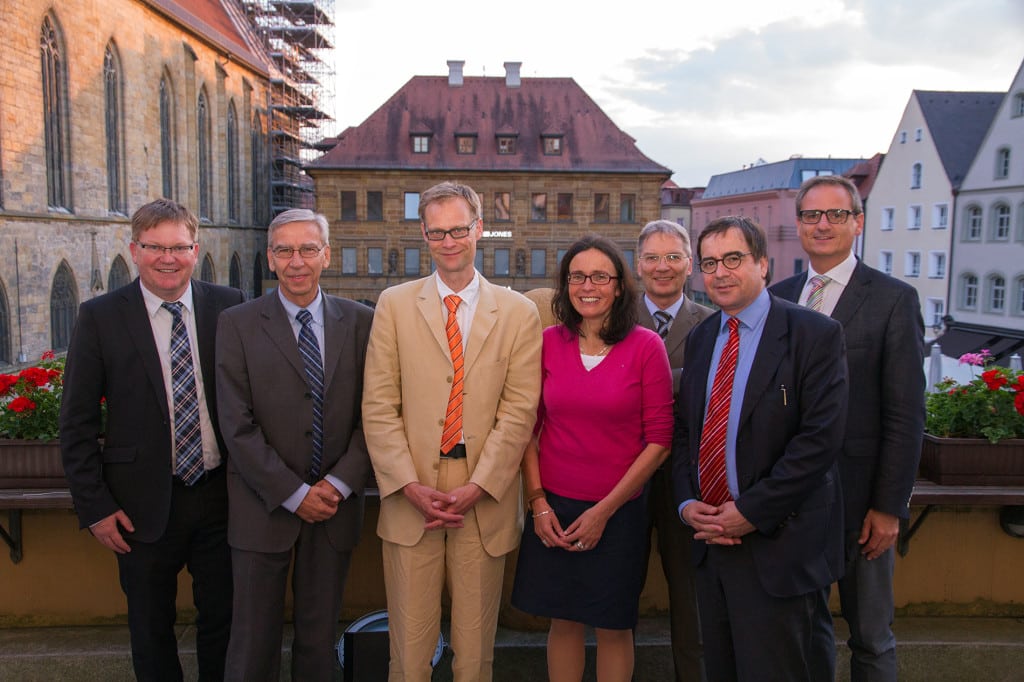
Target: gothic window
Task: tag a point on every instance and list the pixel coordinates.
(119, 275)
(63, 306)
(205, 157)
(235, 272)
(257, 276)
(167, 137)
(56, 136)
(5, 328)
(113, 127)
(232, 161)
(207, 273)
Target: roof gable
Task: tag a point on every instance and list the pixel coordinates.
(957, 122)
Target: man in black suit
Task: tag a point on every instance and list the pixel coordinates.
(289, 391)
(881, 317)
(153, 489)
(664, 263)
(759, 426)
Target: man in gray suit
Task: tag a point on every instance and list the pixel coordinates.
(664, 264)
(289, 380)
(881, 318)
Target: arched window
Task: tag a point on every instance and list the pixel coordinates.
(205, 158)
(995, 298)
(232, 162)
(1018, 288)
(1001, 223)
(235, 272)
(167, 136)
(968, 291)
(915, 176)
(55, 112)
(257, 276)
(260, 191)
(972, 225)
(119, 274)
(207, 273)
(5, 328)
(114, 131)
(63, 307)
(1002, 163)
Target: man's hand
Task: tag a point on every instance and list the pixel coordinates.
(723, 525)
(107, 531)
(320, 503)
(878, 533)
(435, 506)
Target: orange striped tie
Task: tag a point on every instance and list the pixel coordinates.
(452, 433)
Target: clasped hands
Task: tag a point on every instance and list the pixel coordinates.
(721, 525)
(320, 503)
(582, 534)
(443, 510)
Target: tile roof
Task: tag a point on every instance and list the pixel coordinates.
(768, 177)
(211, 20)
(958, 122)
(864, 173)
(485, 107)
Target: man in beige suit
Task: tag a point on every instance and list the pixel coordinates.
(451, 498)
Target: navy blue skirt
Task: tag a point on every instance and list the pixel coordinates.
(599, 587)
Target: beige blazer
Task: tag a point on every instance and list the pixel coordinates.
(406, 386)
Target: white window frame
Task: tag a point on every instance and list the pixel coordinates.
(973, 223)
(916, 175)
(967, 297)
(995, 294)
(912, 264)
(914, 217)
(1002, 170)
(1002, 225)
(937, 264)
(936, 310)
(940, 216)
(885, 261)
(888, 221)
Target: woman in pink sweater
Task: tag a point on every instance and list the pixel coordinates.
(603, 426)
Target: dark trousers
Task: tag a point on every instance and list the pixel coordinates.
(195, 538)
(675, 546)
(749, 635)
(261, 580)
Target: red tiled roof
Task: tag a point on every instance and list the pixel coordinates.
(864, 173)
(486, 107)
(209, 19)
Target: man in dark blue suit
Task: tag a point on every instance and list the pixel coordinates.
(146, 489)
(754, 464)
(881, 317)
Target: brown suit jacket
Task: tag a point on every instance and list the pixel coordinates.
(408, 377)
(690, 315)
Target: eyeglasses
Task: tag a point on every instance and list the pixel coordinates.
(596, 278)
(731, 261)
(156, 249)
(287, 252)
(836, 216)
(653, 260)
(454, 233)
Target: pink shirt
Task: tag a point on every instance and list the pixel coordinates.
(593, 425)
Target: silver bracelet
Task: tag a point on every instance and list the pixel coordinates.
(546, 511)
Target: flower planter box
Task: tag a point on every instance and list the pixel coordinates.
(972, 461)
(31, 464)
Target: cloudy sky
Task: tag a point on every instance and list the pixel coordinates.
(704, 87)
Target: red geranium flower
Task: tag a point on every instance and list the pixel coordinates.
(35, 375)
(48, 355)
(993, 379)
(21, 404)
(6, 381)
(1018, 402)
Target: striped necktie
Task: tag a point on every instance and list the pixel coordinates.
(451, 434)
(816, 299)
(188, 435)
(663, 321)
(714, 485)
(309, 349)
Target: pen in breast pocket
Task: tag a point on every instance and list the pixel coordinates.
(785, 402)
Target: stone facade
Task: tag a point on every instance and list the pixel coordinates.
(85, 236)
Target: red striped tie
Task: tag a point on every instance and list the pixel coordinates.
(713, 484)
(452, 432)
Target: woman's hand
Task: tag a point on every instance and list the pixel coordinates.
(546, 525)
(585, 532)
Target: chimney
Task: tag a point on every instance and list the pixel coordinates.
(455, 73)
(512, 74)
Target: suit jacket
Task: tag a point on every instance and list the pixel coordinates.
(266, 416)
(690, 315)
(786, 445)
(881, 317)
(408, 379)
(113, 355)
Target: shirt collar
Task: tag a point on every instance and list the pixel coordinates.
(316, 308)
(154, 303)
(751, 316)
(672, 310)
(840, 274)
(469, 293)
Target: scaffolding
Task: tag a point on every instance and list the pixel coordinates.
(297, 36)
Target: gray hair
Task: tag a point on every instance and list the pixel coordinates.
(664, 227)
(299, 215)
(833, 181)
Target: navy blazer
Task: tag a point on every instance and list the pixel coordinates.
(881, 318)
(786, 447)
(113, 355)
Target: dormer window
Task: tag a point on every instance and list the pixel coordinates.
(506, 144)
(465, 144)
(552, 145)
(420, 143)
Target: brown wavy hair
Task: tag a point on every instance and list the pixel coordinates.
(623, 315)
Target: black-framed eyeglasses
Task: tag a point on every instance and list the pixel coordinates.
(454, 233)
(835, 216)
(596, 278)
(287, 252)
(731, 261)
(156, 249)
(652, 260)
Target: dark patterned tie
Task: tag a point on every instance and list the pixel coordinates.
(188, 435)
(664, 322)
(309, 349)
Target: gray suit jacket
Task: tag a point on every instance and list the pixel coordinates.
(881, 318)
(266, 417)
(690, 315)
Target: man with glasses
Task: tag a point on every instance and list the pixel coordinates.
(759, 426)
(881, 317)
(664, 264)
(289, 386)
(448, 468)
(149, 484)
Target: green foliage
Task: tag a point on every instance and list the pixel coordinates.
(30, 400)
(990, 406)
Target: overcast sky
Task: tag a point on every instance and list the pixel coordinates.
(703, 87)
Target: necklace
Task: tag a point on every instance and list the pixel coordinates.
(598, 354)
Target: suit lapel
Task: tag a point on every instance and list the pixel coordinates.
(483, 322)
(277, 326)
(428, 302)
(681, 326)
(206, 329)
(770, 352)
(140, 329)
(854, 295)
(790, 289)
(335, 337)
(702, 346)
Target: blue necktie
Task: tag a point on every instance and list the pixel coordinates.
(188, 436)
(664, 322)
(309, 349)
